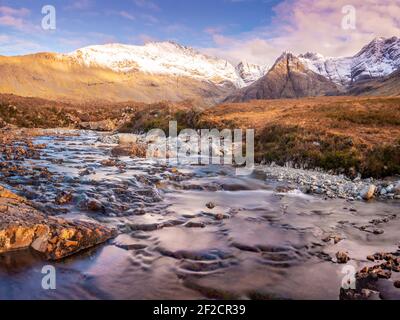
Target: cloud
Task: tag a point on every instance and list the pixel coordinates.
(126, 15)
(147, 4)
(16, 19)
(310, 25)
(79, 5)
(8, 11)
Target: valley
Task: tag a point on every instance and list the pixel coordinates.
(77, 190)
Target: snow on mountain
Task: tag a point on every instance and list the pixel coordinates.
(379, 58)
(165, 58)
(250, 72)
(337, 70)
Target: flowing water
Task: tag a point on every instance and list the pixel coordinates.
(255, 243)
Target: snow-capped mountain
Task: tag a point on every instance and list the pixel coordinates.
(167, 58)
(379, 58)
(250, 72)
(337, 70)
(288, 78)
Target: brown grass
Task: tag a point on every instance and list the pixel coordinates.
(344, 134)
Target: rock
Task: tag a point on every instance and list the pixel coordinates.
(2, 123)
(397, 284)
(192, 224)
(109, 139)
(138, 150)
(396, 189)
(23, 227)
(378, 231)
(121, 151)
(210, 205)
(94, 205)
(63, 198)
(109, 163)
(342, 257)
(368, 193)
(105, 125)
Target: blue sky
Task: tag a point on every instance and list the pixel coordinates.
(253, 30)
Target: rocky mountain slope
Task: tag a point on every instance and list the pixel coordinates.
(288, 78)
(387, 86)
(56, 77)
(168, 71)
(116, 72)
(379, 58)
(250, 72)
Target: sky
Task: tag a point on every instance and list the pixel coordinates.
(256, 31)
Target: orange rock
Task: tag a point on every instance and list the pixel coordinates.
(22, 226)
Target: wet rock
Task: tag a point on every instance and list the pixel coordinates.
(22, 227)
(94, 205)
(138, 150)
(109, 163)
(105, 125)
(86, 172)
(63, 198)
(396, 189)
(342, 257)
(368, 193)
(210, 205)
(192, 224)
(121, 151)
(109, 139)
(336, 239)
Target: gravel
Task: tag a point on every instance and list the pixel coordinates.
(333, 186)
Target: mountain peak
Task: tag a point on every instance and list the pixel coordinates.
(250, 72)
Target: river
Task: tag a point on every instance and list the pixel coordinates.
(190, 232)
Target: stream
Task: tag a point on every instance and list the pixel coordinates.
(190, 232)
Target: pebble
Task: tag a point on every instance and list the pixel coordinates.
(333, 186)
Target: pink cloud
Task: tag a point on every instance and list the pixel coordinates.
(8, 11)
(311, 25)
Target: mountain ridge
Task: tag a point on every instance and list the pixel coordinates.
(288, 78)
(169, 71)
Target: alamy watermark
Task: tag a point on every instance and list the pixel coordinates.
(49, 21)
(202, 147)
(349, 279)
(349, 20)
(49, 279)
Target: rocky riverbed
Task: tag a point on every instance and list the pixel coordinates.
(335, 186)
(193, 231)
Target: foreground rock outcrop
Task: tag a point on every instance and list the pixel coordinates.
(23, 227)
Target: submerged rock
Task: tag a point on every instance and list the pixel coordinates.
(23, 227)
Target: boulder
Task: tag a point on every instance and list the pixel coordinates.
(342, 257)
(368, 193)
(396, 189)
(23, 227)
(105, 125)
